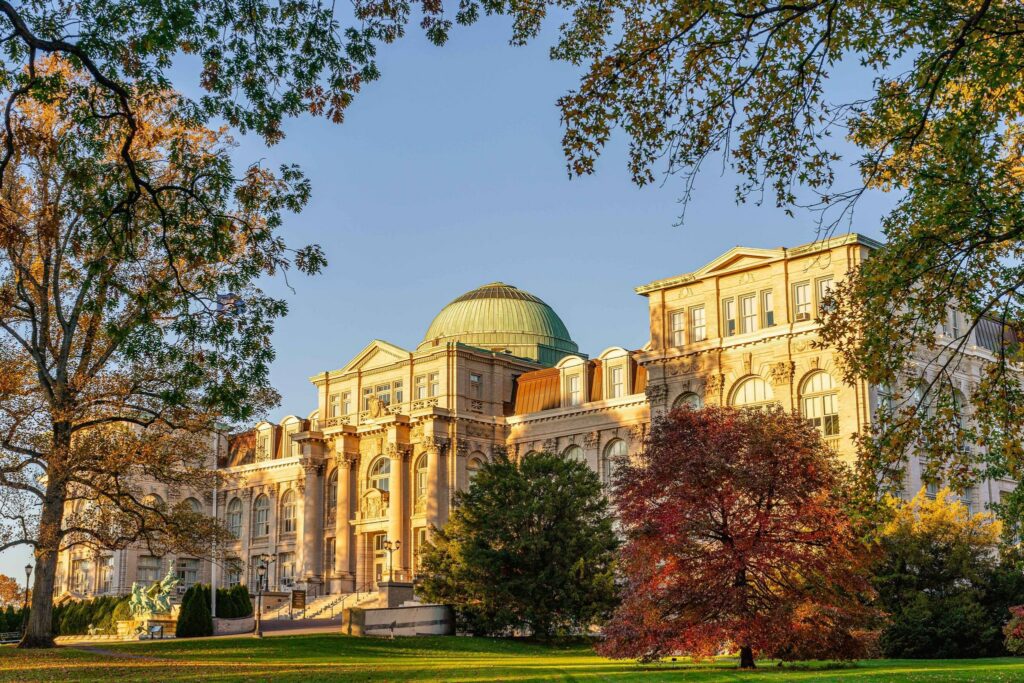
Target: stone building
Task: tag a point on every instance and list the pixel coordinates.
(396, 432)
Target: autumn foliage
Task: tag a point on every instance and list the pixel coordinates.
(736, 538)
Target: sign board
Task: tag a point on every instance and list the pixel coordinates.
(298, 599)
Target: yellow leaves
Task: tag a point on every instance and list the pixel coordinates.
(942, 517)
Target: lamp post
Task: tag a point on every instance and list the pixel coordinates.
(391, 547)
(24, 608)
(261, 573)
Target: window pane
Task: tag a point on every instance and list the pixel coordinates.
(698, 331)
(748, 311)
(677, 319)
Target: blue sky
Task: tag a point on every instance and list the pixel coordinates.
(448, 174)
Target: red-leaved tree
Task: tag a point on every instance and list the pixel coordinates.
(737, 538)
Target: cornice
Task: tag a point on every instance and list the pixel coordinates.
(594, 408)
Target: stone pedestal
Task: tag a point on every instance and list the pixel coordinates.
(394, 593)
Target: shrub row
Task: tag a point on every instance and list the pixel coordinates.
(195, 620)
(74, 618)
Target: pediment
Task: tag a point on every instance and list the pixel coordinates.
(740, 258)
(377, 354)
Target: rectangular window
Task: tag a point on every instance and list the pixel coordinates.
(420, 387)
(677, 318)
(188, 571)
(329, 552)
(398, 387)
(476, 385)
(80, 576)
(932, 490)
(421, 541)
(574, 390)
(367, 396)
(618, 385)
(334, 405)
(434, 383)
(954, 323)
(824, 287)
(728, 317)
(346, 402)
(286, 569)
(148, 569)
(263, 447)
(384, 393)
(105, 573)
(767, 309)
(232, 572)
(748, 313)
(802, 301)
(698, 324)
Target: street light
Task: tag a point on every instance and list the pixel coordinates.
(24, 608)
(261, 572)
(391, 547)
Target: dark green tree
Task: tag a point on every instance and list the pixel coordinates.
(194, 620)
(528, 546)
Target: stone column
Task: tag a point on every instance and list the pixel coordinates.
(396, 503)
(435, 448)
(342, 529)
(309, 529)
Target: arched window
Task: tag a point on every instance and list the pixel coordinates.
(574, 452)
(380, 474)
(819, 402)
(530, 454)
(420, 489)
(473, 465)
(288, 522)
(332, 492)
(153, 500)
(234, 518)
(194, 505)
(614, 453)
(261, 516)
(688, 399)
(752, 392)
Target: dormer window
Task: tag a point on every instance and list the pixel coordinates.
(573, 390)
(617, 383)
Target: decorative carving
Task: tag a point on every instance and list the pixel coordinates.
(781, 372)
(713, 385)
(550, 446)
(482, 431)
(397, 450)
(375, 504)
(424, 403)
(476, 406)
(378, 408)
(461, 448)
(416, 433)
(816, 362)
(748, 362)
(435, 444)
(635, 433)
(656, 394)
(498, 450)
(590, 439)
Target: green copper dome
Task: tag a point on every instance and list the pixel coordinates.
(500, 317)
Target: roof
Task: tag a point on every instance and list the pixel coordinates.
(741, 258)
(502, 317)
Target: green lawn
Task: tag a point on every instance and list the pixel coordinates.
(333, 658)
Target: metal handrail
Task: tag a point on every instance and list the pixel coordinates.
(367, 587)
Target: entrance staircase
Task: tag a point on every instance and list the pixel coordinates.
(328, 606)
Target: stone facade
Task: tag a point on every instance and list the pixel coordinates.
(396, 433)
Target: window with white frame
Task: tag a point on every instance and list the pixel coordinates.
(614, 455)
(698, 324)
(380, 474)
(105, 574)
(288, 522)
(330, 550)
(187, 569)
(234, 518)
(334, 405)
(767, 308)
(677, 320)
(263, 446)
(286, 568)
(346, 402)
(367, 397)
(80, 575)
(574, 452)
(434, 384)
(232, 572)
(748, 313)
(261, 516)
(752, 392)
(148, 569)
(473, 465)
(383, 392)
(420, 482)
(331, 497)
(687, 399)
(617, 382)
(819, 403)
(931, 490)
(419, 389)
(824, 286)
(398, 388)
(573, 390)
(802, 301)
(728, 317)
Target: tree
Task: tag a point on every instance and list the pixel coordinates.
(117, 353)
(940, 576)
(194, 619)
(736, 534)
(10, 592)
(529, 546)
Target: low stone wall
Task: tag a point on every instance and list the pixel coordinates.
(421, 620)
(231, 627)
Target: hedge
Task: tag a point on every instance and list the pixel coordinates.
(74, 618)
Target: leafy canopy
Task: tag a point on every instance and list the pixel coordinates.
(736, 535)
(529, 546)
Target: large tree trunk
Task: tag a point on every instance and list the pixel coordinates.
(40, 622)
(747, 657)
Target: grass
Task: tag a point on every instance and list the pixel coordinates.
(312, 658)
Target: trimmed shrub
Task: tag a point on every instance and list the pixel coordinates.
(194, 619)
